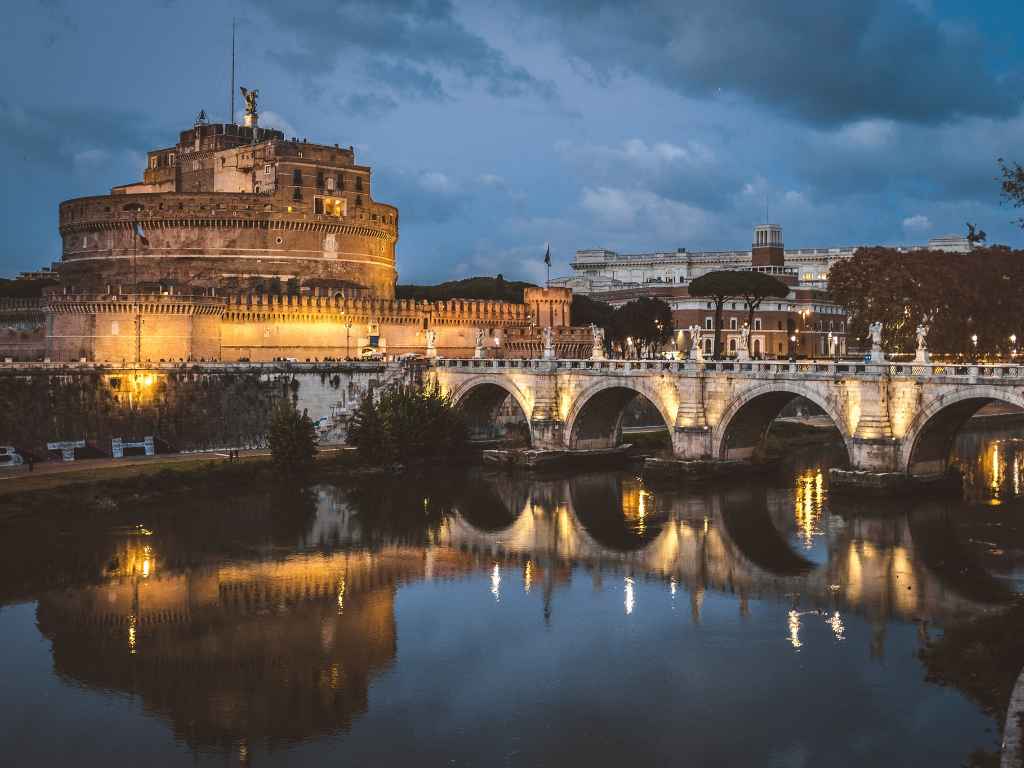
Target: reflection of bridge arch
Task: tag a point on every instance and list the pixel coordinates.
(596, 413)
(482, 396)
(929, 438)
(746, 420)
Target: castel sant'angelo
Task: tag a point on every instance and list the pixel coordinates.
(242, 244)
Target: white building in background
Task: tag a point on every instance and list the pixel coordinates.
(600, 270)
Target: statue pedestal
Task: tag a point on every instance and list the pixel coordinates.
(923, 357)
(598, 354)
(478, 353)
(742, 355)
(549, 353)
(877, 356)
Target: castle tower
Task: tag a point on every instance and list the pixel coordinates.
(767, 249)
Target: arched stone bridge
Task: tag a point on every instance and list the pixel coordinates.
(892, 417)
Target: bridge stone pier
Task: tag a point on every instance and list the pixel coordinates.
(892, 417)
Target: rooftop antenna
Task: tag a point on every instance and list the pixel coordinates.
(231, 115)
(766, 206)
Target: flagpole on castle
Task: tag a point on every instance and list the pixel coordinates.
(547, 262)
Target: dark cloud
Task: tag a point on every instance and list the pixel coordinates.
(827, 61)
(407, 40)
(371, 105)
(57, 136)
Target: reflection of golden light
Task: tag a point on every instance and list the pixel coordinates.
(997, 469)
(836, 623)
(630, 601)
(341, 594)
(807, 504)
(131, 633)
(528, 576)
(145, 568)
(794, 629)
(672, 587)
(496, 582)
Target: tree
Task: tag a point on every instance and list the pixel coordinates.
(292, 439)
(719, 287)
(585, 310)
(956, 294)
(755, 287)
(1013, 185)
(647, 321)
(407, 422)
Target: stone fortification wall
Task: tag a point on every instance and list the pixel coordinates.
(259, 327)
(224, 241)
(126, 328)
(22, 329)
(268, 327)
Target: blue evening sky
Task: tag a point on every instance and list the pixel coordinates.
(498, 126)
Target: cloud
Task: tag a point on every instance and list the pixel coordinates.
(371, 105)
(830, 62)
(917, 224)
(269, 119)
(410, 43)
(690, 171)
(622, 209)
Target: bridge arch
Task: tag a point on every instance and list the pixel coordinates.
(595, 416)
(928, 442)
(745, 421)
(481, 396)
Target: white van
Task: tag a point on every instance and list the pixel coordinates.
(10, 457)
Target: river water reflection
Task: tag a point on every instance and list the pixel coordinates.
(482, 619)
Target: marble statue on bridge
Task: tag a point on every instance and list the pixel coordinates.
(922, 355)
(877, 355)
(597, 351)
(431, 336)
(696, 345)
(478, 350)
(743, 344)
(549, 344)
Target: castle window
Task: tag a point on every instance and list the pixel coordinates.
(330, 184)
(330, 206)
(320, 180)
(297, 193)
(359, 201)
(339, 180)
(318, 205)
(171, 158)
(708, 324)
(757, 323)
(359, 183)
(297, 177)
(154, 161)
(268, 169)
(732, 322)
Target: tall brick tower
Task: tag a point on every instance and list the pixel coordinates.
(767, 249)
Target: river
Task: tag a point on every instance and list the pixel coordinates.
(472, 618)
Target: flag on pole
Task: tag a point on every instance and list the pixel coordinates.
(139, 233)
(547, 255)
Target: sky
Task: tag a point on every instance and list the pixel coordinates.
(498, 127)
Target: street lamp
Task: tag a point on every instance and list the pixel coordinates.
(1013, 345)
(974, 341)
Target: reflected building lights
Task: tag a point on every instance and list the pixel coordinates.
(835, 621)
(807, 505)
(496, 583)
(794, 629)
(630, 598)
(341, 595)
(527, 576)
(132, 621)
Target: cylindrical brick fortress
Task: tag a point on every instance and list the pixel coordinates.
(232, 209)
(222, 241)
